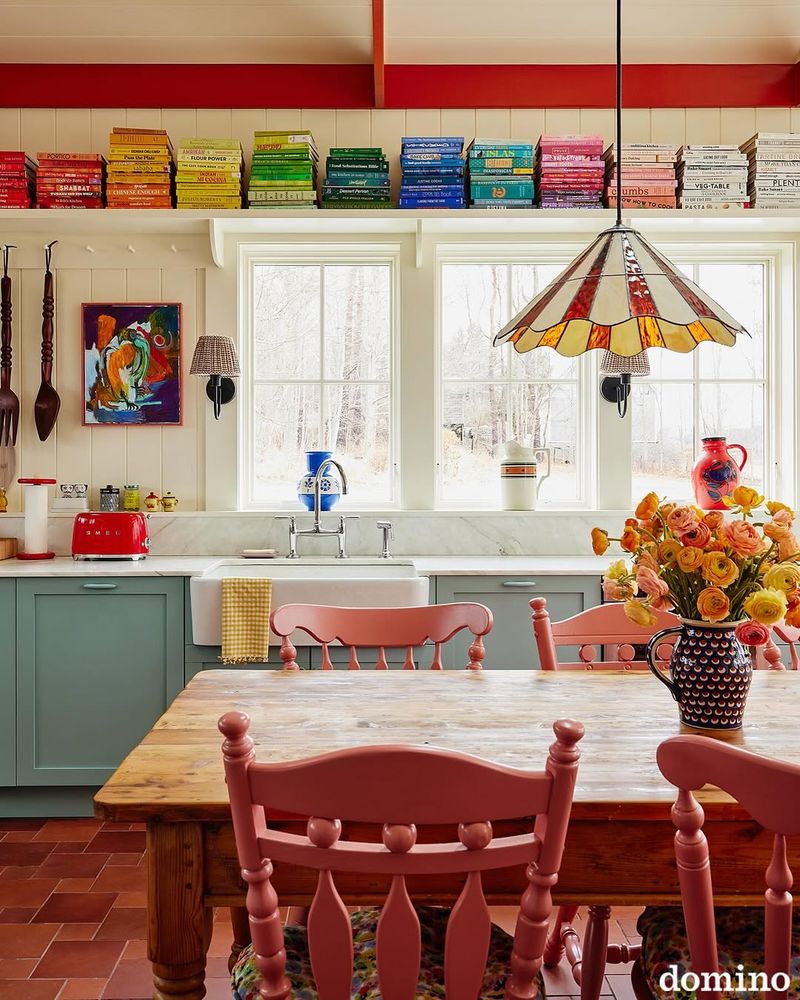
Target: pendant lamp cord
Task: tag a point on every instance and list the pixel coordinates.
(619, 112)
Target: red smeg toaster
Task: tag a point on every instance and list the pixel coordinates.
(104, 535)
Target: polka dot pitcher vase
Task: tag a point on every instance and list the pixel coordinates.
(709, 674)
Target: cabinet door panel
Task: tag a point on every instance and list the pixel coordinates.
(98, 661)
(8, 684)
(510, 644)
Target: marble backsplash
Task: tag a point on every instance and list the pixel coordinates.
(415, 533)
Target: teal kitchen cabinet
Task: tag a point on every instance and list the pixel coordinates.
(510, 644)
(8, 684)
(98, 661)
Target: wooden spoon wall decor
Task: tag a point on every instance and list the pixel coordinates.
(48, 403)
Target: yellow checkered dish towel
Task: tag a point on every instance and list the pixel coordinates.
(245, 619)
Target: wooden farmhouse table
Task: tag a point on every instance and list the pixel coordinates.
(619, 847)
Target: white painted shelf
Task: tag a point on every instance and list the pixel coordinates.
(217, 225)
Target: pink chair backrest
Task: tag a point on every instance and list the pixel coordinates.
(397, 787)
(382, 628)
(769, 657)
(603, 627)
(770, 792)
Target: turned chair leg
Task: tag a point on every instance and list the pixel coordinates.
(554, 948)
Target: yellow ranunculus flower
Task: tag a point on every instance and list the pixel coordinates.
(690, 558)
(782, 576)
(667, 551)
(712, 604)
(747, 498)
(773, 506)
(766, 605)
(719, 570)
(647, 507)
(639, 613)
(617, 570)
(599, 541)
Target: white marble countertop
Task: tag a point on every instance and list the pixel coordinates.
(195, 565)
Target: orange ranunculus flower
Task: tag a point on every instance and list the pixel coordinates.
(654, 527)
(719, 570)
(712, 604)
(743, 538)
(714, 519)
(716, 545)
(766, 605)
(689, 558)
(667, 551)
(680, 519)
(747, 498)
(647, 507)
(599, 541)
(697, 536)
(639, 614)
(792, 617)
(631, 539)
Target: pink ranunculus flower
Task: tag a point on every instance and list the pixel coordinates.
(661, 604)
(752, 633)
(680, 519)
(743, 538)
(698, 536)
(651, 583)
(613, 590)
(647, 560)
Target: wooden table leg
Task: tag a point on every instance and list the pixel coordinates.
(595, 948)
(241, 933)
(178, 924)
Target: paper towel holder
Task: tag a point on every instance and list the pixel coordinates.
(31, 484)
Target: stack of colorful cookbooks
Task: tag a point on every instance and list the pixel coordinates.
(70, 180)
(433, 172)
(569, 171)
(648, 175)
(712, 177)
(140, 168)
(17, 179)
(500, 173)
(774, 169)
(356, 177)
(209, 173)
(283, 174)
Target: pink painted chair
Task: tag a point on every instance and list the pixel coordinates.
(396, 952)
(702, 939)
(602, 628)
(769, 657)
(382, 629)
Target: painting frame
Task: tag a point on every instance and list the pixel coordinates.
(113, 397)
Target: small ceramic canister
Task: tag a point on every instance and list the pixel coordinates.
(152, 501)
(169, 502)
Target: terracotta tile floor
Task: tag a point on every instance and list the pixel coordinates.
(72, 918)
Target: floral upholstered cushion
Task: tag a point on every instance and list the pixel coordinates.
(433, 925)
(740, 941)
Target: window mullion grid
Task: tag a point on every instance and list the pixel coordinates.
(321, 381)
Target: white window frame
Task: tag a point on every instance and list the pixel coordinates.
(252, 255)
(524, 253)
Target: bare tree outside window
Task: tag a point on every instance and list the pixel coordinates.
(322, 364)
(491, 395)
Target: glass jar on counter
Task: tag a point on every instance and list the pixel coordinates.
(131, 497)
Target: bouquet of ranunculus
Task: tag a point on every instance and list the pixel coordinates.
(707, 566)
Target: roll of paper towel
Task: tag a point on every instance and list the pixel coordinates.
(35, 491)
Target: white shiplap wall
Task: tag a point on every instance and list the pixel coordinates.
(174, 458)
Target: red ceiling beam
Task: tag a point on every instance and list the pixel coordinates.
(644, 86)
(378, 52)
(358, 86)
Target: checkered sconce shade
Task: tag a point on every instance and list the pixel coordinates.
(214, 355)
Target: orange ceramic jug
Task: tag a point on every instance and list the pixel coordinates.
(715, 474)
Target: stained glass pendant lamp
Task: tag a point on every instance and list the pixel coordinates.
(621, 296)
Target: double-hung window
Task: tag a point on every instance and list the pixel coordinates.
(319, 370)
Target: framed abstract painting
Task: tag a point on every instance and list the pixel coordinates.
(131, 363)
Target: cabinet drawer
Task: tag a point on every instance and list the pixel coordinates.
(510, 644)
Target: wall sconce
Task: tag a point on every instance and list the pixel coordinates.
(216, 357)
(616, 386)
